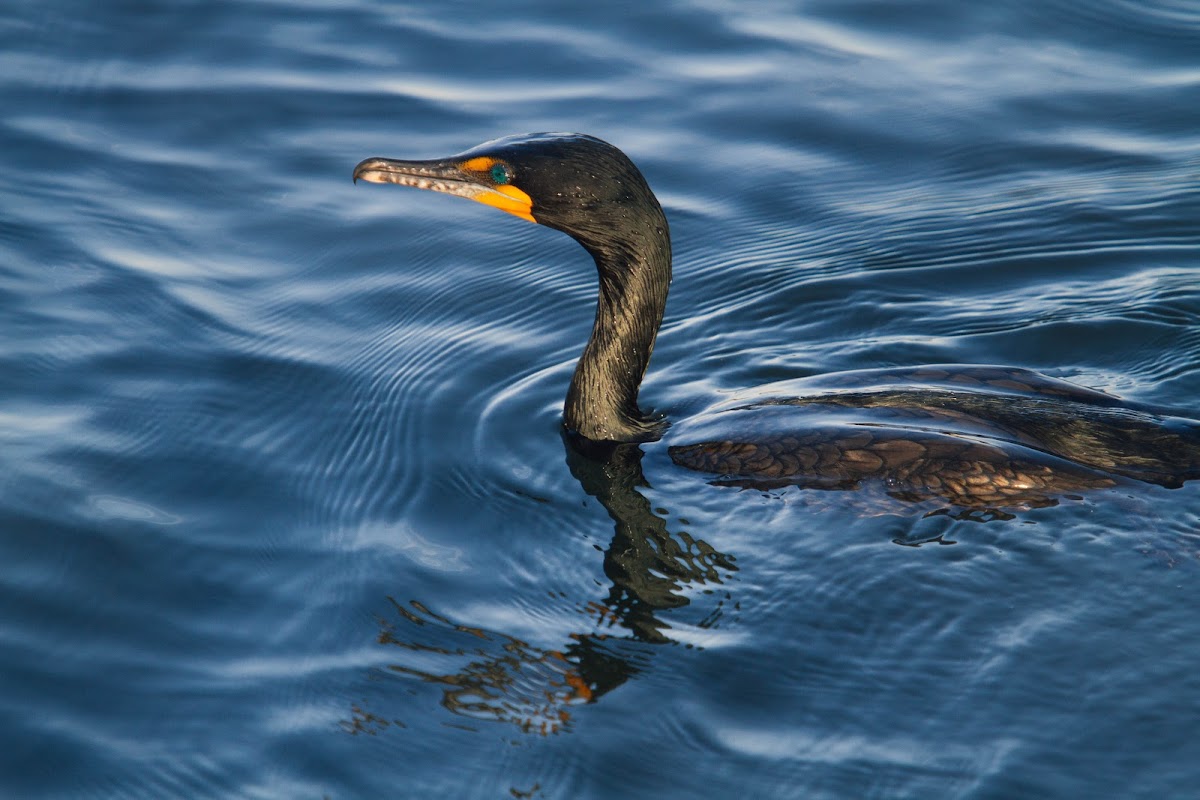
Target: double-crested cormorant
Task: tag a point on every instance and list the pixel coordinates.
(971, 436)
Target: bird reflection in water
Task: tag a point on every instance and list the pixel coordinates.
(650, 570)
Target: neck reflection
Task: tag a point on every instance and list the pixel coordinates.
(649, 571)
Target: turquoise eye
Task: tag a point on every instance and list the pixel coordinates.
(501, 174)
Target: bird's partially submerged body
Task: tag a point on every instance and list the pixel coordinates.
(969, 436)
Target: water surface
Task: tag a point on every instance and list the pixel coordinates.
(284, 507)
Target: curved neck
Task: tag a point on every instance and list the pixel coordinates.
(635, 274)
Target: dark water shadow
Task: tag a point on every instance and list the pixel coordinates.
(649, 570)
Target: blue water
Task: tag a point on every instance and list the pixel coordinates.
(284, 509)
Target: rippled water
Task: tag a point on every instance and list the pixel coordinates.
(284, 507)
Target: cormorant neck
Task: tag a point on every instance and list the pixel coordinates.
(634, 263)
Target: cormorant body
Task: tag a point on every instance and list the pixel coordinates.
(972, 436)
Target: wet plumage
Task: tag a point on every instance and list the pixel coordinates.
(966, 435)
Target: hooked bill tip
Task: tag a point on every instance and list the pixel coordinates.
(368, 170)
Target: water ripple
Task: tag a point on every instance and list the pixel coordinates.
(282, 482)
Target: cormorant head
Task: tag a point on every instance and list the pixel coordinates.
(574, 183)
(591, 191)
